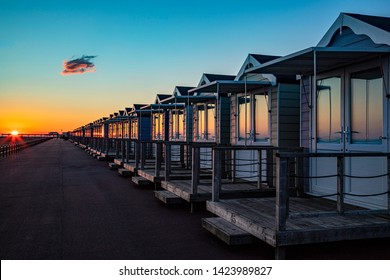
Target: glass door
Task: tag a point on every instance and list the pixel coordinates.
(351, 116)
(366, 131)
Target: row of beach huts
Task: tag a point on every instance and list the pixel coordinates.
(291, 150)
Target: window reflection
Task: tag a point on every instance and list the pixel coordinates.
(328, 110)
(177, 124)
(210, 122)
(366, 107)
(261, 118)
(253, 118)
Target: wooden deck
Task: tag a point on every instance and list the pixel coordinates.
(149, 173)
(257, 216)
(183, 189)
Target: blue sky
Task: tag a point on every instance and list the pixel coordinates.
(142, 47)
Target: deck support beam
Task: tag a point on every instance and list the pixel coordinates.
(280, 253)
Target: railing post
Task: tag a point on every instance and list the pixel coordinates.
(340, 184)
(388, 182)
(282, 197)
(233, 162)
(217, 174)
(117, 148)
(127, 150)
(300, 172)
(158, 159)
(143, 155)
(167, 161)
(137, 154)
(195, 169)
(123, 149)
(270, 168)
(259, 167)
(182, 162)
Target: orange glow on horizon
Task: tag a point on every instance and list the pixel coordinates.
(14, 132)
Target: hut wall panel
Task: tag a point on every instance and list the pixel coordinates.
(145, 129)
(188, 124)
(166, 125)
(194, 124)
(274, 116)
(289, 116)
(233, 119)
(224, 123)
(305, 112)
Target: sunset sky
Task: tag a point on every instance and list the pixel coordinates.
(138, 49)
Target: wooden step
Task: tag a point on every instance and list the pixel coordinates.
(140, 181)
(124, 172)
(167, 197)
(101, 158)
(113, 166)
(226, 231)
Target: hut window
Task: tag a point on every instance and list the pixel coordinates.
(126, 130)
(177, 124)
(206, 121)
(366, 107)
(261, 118)
(244, 109)
(158, 126)
(328, 110)
(119, 129)
(253, 118)
(134, 129)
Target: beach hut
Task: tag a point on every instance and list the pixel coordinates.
(264, 113)
(151, 171)
(344, 109)
(344, 118)
(203, 124)
(140, 131)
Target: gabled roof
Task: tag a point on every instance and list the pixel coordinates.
(263, 58)
(181, 91)
(376, 28)
(208, 78)
(254, 60)
(160, 97)
(380, 22)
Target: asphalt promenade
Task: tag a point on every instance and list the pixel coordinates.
(57, 202)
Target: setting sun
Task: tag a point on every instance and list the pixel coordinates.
(14, 132)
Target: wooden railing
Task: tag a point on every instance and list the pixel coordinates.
(225, 165)
(286, 167)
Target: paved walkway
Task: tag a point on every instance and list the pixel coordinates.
(56, 202)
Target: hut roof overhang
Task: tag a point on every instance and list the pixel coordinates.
(318, 59)
(162, 106)
(225, 87)
(187, 99)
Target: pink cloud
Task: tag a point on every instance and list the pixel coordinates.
(79, 65)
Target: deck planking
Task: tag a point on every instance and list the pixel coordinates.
(257, 216)
(183, 189)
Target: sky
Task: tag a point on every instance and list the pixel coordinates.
(138, 49)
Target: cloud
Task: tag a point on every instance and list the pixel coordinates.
(79, 65)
